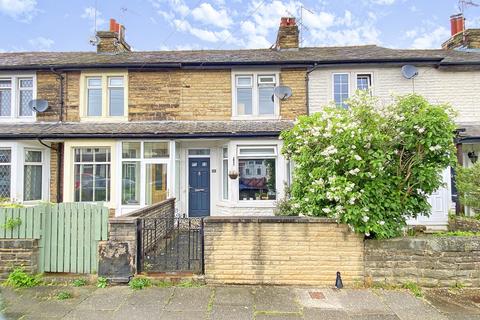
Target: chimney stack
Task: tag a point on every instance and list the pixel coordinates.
(287, 37)
(112, 41)
(461, 38)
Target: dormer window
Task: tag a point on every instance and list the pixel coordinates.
(104, 96)
(253, 95)
(16, 92)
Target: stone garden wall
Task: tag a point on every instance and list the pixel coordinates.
(281, 251)
(432, 261)
(16, 253)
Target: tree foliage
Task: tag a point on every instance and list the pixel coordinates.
(468, 186)
(371, 166)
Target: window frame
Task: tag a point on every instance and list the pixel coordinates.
(41, 164)
(370, 75)
(256, 75)
(225, 186)
(253, 157)
(10, 165)
(94, 163)
(348, 87)
(105, 88)
(15, 95)
(143, 166)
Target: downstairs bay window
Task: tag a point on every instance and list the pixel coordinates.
(24, 172)
(257, 173)
(92, 174)
(144, 172)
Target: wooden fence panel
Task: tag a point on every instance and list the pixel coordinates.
(69, 234)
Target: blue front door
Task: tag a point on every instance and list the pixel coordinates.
(199, 187)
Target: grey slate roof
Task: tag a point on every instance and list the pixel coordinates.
(319, 55)
(152, 129)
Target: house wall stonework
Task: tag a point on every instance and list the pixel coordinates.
(296, 105)
(48, 88)
(429, 262)
(281, 251)
(459, 88)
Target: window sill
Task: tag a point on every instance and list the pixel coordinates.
(17, 119)
(104, 119)
(256, 117)
(248, 203)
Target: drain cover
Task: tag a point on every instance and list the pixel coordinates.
(316, 295)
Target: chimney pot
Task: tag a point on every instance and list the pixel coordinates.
(457, 23)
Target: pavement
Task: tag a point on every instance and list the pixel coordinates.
(236, 303)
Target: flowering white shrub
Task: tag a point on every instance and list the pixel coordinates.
(370, 166)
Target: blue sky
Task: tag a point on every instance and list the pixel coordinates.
(67, 25)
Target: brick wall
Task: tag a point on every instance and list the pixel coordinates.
(296, 105)
(281, 251)
(54, 171)
(16, 253)
(433, 261)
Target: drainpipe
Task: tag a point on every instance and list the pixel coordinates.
(59, 148)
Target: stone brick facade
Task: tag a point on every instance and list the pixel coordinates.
(433, 261)
(458, 223)
(469, 38)
(16, 253)
(281, 251)
(169, 95)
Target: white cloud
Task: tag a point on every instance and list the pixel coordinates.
(89, 14)
(208, 15)
(41, 43)
(431, 38)
(21, 10)
(204, 34)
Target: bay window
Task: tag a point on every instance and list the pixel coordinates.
(32, 175)
(92, 174)
(253, 95)
(257, 173)
(144, 172)
(16, 92)
(5, 173)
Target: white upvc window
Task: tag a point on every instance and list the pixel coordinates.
(16, 92)
(104, 95)
(92, 174)
(145, 166)
(364, 81)
(225, 173)
(24, 172)
(341, 88)
(253, 95)
(257, 167)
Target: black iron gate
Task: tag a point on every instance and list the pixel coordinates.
(170, 245)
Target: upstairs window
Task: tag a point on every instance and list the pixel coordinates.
(364, 82)
(105, 95)
(16, 92)
(253, 95)
(340, 89)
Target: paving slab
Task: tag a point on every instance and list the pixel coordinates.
(222, 312)
(407, 307)
(181, 315)
(90, 315)
(150, 297)
(278, 316)
(133, 312)
(234, 296)
(108, 299)
(316, 314)
(276, 299)
(362, 302)
(189, 299)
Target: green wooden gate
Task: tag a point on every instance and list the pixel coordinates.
(69, 234)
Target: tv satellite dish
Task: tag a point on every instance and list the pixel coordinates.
(282, 92)
(95, 40)
(409, 71)
(38, 105)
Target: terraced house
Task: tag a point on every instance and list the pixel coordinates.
(133, 128)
